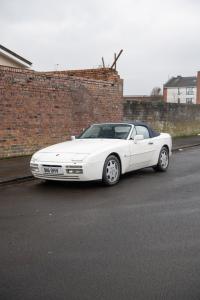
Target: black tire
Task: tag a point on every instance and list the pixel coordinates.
(163, 160)
(111, 170)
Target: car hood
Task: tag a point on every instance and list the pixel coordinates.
(76, 150)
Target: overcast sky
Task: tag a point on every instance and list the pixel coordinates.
(160, 38)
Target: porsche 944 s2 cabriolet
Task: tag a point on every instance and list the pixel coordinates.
(104, 152)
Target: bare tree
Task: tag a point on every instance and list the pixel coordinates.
(156, 92)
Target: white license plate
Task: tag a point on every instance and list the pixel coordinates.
(53, 170)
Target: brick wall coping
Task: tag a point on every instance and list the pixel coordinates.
(66, 74)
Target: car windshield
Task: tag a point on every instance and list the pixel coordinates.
(106, 131)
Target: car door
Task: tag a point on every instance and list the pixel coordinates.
(142, 152)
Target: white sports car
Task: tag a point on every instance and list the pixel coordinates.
(104, 152)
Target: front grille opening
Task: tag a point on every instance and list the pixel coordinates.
(50, 166)
(74, 167)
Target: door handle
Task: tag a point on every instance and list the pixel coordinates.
(150, 143)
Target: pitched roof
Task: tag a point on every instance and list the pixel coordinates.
(15, 55)
(180, 81)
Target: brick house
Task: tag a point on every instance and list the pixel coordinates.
(198, 88)
(9, 58)
(181, 90)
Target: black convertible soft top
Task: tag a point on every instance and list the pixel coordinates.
(152, 132)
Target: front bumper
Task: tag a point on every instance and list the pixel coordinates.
(90, 171)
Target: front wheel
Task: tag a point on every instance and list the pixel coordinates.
(111, 170)
(163, 160)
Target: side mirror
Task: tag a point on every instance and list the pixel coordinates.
(73, 137)
(138, 137)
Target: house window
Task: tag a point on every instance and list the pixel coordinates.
(189, 91)
(189, 100)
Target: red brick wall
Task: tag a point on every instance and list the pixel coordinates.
(38, 109)
(198, 88)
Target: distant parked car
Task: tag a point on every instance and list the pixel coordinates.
(104, 152)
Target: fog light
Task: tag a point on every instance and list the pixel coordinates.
(74, 171)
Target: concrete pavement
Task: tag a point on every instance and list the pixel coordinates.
(17, 169)
(185, 142)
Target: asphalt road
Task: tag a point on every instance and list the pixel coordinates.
(137, 240)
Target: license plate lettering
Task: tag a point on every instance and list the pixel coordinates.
(52, 170)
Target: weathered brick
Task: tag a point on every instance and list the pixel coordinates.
(177, 119)
(41, 108)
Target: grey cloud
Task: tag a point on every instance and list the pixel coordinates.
(159, 38)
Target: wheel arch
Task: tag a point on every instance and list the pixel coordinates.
(158, 153)
(166, 146)
(158, 166)
(119, 158)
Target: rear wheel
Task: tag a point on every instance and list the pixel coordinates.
(111, 170)
(163, 160)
